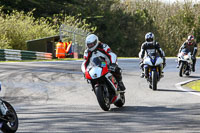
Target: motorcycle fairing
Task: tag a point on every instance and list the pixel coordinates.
(183, 56)
(153, 61)
(159, 61)
(96, 69)
(112, 81)
(95, 72)
(147, 61)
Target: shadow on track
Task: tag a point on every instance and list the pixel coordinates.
(93, 119)
(126, 109)
(173, 90)
(195, 77)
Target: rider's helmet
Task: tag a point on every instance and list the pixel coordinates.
(190, 39)
(149, 37)
(91, 42)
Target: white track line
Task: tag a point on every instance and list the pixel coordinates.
(179, 86)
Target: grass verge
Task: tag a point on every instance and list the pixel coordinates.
(195, 85)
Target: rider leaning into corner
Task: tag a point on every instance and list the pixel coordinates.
(191, 46)
(95, 48)
(148, 47)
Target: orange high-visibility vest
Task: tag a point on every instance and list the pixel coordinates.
(60, 50)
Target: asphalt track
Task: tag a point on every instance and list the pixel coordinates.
(54, 97)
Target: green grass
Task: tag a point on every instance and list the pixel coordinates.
(195, 85)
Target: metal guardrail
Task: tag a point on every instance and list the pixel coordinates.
(10, 54)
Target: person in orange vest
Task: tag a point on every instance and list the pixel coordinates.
(69, 48)
(60, 49)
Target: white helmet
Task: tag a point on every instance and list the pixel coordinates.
(149, 37)
(91, 42)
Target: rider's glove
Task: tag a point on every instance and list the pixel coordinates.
(113, 67)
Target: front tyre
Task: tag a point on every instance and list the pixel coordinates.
(103, 97)
(154, 80)
(121, 101)
(181, 70)
(12, 125)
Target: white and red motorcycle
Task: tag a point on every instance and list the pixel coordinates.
(185, 62)
(104, 84)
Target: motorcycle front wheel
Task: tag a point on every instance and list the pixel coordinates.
(182, 69)
(103, 97)
(154, 80)
(12, 125)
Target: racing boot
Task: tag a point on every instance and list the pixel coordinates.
(162, 74)
(193, 68)
(142, 75)
(193, 65)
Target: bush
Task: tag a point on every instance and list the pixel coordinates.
(17, 27)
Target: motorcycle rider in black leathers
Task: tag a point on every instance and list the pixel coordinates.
(191, 46)
(148, 47)
(95, 48)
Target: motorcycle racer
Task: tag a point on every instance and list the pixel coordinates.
(150, 46)
(191, 46)
(95, 48)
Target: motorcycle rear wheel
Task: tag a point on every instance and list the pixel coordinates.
(121, 101)
(12, 125)
(103, 97)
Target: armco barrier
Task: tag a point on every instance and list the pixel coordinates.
(10, 54)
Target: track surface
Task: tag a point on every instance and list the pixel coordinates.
(54, 97)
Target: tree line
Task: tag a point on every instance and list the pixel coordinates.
(122, 24)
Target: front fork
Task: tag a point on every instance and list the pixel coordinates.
(3, 108)
(148, 71)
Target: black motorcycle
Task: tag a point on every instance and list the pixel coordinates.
(9, 120)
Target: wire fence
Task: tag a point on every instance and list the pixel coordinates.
(74, 34)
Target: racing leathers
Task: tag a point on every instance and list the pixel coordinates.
(191, 48)
(104, 51)
(150, 48)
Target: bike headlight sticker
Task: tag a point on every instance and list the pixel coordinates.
(103, 64)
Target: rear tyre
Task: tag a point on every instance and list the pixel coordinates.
(103, 97)
(121, 101)
(12, 125)
(154, 80)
